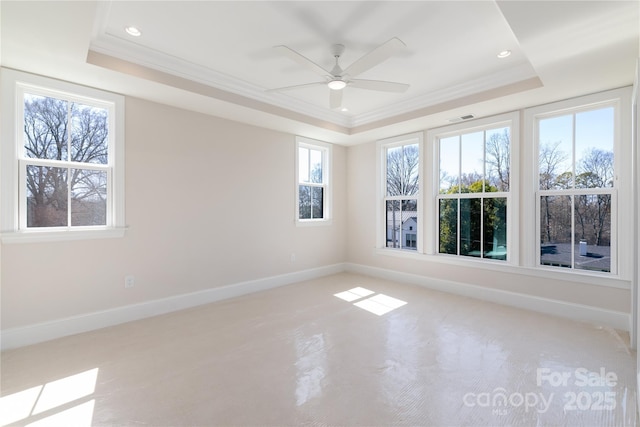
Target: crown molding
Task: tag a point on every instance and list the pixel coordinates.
(440, 96)
(112, 45)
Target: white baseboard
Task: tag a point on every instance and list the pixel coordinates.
(32, 334)
(614, 319)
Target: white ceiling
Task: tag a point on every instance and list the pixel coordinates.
(217, 57)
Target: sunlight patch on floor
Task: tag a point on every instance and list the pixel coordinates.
(48, 399)
(378, 304)
(354, 294)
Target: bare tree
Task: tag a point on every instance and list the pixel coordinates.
(498, 159)
(595, 170)
(402, 170)
(58, 130)
(550, 160)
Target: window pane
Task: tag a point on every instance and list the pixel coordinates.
(317, 196)
(449, 164)
(304, 206)
(411, 159)
(88, 197)
(555, 153)
(315, 157)
(495, 228)
(498, 158)
(409, 223)
(394, 171)
(45, 128)
(593, 232)
(472, 162)
(89, 134)
(555, 231)
(470, 234)
(46, 196)
(402, 170)
(394, 222)
(448, 210)
(594, 148)
(303, 164)
(401, 220)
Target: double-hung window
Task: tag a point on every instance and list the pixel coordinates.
(577, 187)
(401, 205)
(63, 160)
(313, 195)
(474, 184)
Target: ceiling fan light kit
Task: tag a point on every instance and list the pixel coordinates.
(337, 84)
(337, 79)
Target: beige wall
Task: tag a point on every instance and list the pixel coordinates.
(209, 202)
(362, 242)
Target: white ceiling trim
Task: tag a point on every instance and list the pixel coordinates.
(440, 96)
(112, 46)
(130, 52)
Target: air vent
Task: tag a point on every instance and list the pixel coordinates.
(462, 118)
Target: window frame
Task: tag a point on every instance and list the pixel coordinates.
(620, 100)
(12, 180)
(326, 149)
(434, 136)
(381, 171)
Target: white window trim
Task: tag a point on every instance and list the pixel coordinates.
(622, 246)
(381, 184)
(524, 179)
(327, 159)
(12, 85)
(432, 191)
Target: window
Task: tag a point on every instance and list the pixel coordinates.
(64, 164)
(576, 191)
(581, 204)
(401, 203)
(312, 181)
(474, 182)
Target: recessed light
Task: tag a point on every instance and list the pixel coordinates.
(504, 54)
(133, 31)
(344, 109)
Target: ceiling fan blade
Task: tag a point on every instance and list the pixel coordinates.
(379, 85)
(375, 57)
(280, 89)
(335, 99)
(302, 60)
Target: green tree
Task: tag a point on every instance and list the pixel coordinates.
(478, 216)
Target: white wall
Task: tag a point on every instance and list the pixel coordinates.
(209, 203)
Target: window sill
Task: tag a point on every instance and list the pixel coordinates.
(596, 279)
(313, 222)
(38, 236)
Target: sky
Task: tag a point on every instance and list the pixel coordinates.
(593, 129)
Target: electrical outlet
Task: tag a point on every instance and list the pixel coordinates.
(129, 281)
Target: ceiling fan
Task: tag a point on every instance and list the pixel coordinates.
(337, 79)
